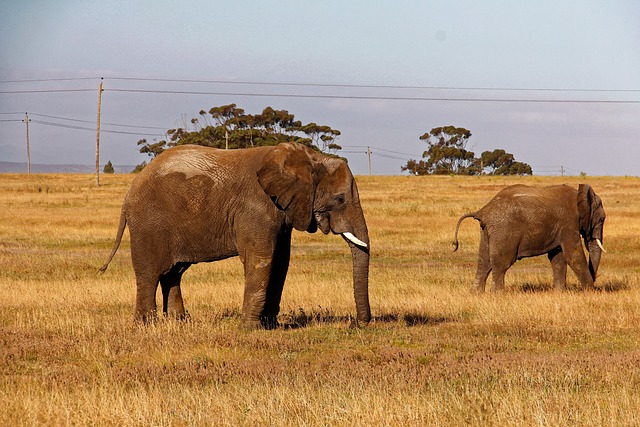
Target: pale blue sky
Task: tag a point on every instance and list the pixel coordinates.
(567, 45)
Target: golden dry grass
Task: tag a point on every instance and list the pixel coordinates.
(434, 354)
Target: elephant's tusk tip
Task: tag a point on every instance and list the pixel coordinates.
(353, 239)
(600, 245)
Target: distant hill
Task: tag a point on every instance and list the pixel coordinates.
(11, 167)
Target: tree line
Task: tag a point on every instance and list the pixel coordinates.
(447, 154)
(229, 126)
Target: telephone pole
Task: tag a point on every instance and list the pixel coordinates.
(98, 134)
(26, 121)
(369, 157)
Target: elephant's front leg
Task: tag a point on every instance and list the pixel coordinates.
(578, 263)
(257, 262)
(279, 268)
(559, 267)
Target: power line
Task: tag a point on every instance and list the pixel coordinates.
(317, 84)
(374, 151)
(363, 86)
(387, 156)
(67, 126)
(376, 98)
(395, 152)
(61, 125)
(88, 121)
(7, 92)
(49, 80)
(81, 121)
(357, 97)
(381, 149)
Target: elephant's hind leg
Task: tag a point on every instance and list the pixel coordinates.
(146, 298)
(484, 264)
(498, 278)
(172, 304)
(502, 258)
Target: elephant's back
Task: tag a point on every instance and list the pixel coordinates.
(180, 165)
(518, 204)
(195, 160)
(521, 190)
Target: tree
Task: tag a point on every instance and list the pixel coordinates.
(447, 154)
(520, 168)
(499, 162)
(228, 126)
(139, 167)
(416, 167)
(152, 149)
(228, 118)
(322, 137)
(108, 168)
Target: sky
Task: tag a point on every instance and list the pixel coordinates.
(556, 83)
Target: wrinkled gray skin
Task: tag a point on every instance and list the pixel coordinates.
(196, 204)
(522, 221)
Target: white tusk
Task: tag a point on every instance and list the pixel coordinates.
(353, 239)
(600, 245)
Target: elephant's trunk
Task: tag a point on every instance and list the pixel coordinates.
(595, 252)
(360, 256)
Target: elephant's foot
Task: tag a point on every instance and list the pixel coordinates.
(360, 321)
(251, 325)
(180, 316)
(269, 322)
(497, 284)
(146, 318)
(559, 286)
(477, 289)
(355, 324)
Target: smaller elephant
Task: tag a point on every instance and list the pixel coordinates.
(522, 221)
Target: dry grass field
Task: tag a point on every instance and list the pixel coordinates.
(434, 354)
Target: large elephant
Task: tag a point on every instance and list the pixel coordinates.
(197, 204)
(522, 221)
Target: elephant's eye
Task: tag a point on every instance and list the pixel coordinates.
(340, 200)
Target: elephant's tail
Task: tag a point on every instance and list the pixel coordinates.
(455, 237)
(121, 226)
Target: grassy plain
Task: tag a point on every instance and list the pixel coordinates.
(433, 355)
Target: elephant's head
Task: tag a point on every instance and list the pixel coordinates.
(317, 191)
(592, 218)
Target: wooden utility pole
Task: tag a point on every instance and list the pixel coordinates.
(26, 121)
(98, 135)
(369, 157)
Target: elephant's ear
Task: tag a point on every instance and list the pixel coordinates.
(587, 205)
(288, 175)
